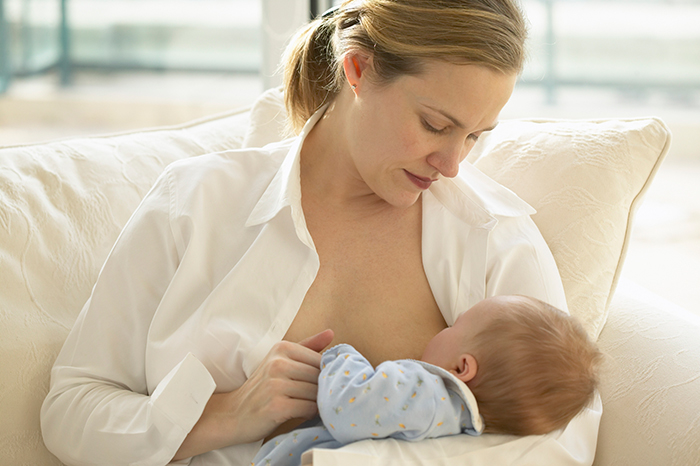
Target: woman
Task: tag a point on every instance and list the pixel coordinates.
(234, 266)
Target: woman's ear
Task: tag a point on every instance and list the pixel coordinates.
(466, 368)
(355, 66)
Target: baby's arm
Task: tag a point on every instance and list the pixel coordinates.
(399, 399)
(287, 449)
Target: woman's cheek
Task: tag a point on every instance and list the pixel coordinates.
(414, 145)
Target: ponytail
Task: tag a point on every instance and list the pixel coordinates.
(310, 71)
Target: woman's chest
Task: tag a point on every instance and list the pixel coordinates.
(380, 329)
(371, 290)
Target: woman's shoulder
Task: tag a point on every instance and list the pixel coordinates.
(226, 172)
(245, 163)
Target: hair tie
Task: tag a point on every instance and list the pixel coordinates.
(330, 12)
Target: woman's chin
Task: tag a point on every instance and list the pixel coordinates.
(403, 200)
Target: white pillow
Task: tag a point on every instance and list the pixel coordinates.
(584, 177)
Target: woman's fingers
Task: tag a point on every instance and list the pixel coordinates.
(303, 391)
(319, 341)
(293, 361)
(305, 352)
(304, 409)
(284, 387)
(299, 371)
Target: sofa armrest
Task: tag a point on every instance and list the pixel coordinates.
(650, 382)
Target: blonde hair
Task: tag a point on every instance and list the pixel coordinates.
(400, 36)
(537, 369)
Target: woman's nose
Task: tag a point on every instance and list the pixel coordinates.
(447, 160)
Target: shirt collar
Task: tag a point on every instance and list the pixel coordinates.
(471, 195)
(478, 199)
(285, 188)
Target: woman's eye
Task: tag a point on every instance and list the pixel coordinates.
(431, 128)
(473, 137)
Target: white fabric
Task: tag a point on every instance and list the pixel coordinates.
(650, 382)
(62, 205)
(216, 262)
(571, 446)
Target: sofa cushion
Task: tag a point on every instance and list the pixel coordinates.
(585, 178)
(62, 205)
(650, 382)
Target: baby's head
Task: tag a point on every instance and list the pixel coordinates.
(530, 366)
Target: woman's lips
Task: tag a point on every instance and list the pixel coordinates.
(421, 182)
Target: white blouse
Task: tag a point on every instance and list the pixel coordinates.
(208, 275)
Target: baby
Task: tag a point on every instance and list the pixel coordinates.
(509, 365)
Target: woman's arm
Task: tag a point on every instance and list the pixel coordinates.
(98, 406)
(100, 410)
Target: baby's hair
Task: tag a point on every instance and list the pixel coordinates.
(537, 369)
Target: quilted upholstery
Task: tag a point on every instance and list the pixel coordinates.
(650, 382)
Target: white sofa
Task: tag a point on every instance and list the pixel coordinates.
(63, 203)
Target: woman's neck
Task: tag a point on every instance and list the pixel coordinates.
(328, 171)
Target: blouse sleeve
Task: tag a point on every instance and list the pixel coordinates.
(98, 409)
(520, 262)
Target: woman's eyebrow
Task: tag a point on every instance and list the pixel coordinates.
(458, 123)
(454, 120)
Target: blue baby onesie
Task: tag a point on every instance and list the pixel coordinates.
(406, 399)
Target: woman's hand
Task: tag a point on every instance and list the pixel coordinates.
(283, 387)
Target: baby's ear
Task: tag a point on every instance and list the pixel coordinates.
(466, 368)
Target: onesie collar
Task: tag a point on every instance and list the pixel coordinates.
(461, 389)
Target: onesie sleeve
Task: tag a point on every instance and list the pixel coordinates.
(399, 399)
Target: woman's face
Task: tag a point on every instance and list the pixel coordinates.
(416, 130)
